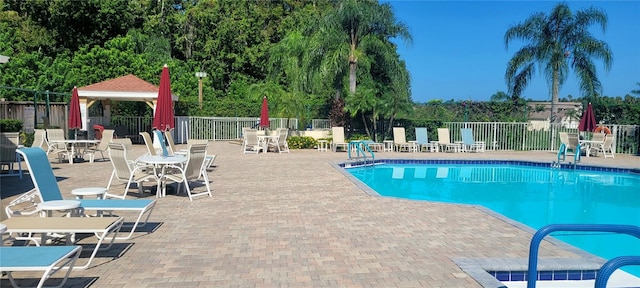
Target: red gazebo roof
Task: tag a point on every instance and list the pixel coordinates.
(128, 83)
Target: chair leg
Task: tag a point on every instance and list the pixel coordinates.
(113, 174)
(205, 177)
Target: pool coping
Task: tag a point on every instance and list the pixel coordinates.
(478, 268)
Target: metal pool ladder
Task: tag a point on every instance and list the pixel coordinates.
(562, 154)
(605, 270)
(361, 149)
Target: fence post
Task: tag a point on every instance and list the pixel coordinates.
(495, 131)
(524, 136)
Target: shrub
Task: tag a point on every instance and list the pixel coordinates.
(301, 142)
(26, 139)
(358, 137)
(10, 125)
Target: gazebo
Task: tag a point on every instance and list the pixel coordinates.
(125, 88)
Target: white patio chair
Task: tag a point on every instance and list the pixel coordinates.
(444, 141)
(40, 139)
(59, 148)
(9, 142)
(147, 141)
(338, 139)
(400, 141)
(103, 146)
(194, 170)
(607, 147)
(210, 158)
(125, 171)
(251, 145)
(172, 145)
(281, 145)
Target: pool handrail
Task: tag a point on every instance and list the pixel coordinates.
(562, 153)
(612, 265)
(532, 269)
(358, 147)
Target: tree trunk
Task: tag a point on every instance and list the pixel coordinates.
(393, 116)
(364, 121)
(352, 76)
(555, 87)
(375, 126)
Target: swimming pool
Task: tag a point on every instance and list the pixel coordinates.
(525, 192)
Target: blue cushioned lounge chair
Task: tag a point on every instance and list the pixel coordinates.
(47, 188)
(422, 140)
(44, 258)
(468, 144)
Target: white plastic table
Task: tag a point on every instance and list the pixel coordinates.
(323, 145)
(48, 207)
(388, 146)
(266, 139)
(80, 145)
(589, 144)
(158, 161)
(98, 192)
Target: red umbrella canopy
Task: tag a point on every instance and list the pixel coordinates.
(264, 113)
(163, 119)
(75, 119)
(588, 120)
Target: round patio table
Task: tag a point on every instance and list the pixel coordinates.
(89, 191)
(48, 207)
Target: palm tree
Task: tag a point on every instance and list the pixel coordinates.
(500, 96)
(557, 42)
(356, 24)
(637, 92)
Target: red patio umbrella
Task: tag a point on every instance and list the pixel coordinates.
(163, 119)
(588, 120)
(75, 119)
(264, 113)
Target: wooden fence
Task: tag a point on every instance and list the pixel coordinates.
(35, 115)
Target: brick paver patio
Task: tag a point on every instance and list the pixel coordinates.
(292, 220)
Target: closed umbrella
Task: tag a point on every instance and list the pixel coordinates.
(588, 120)
(264, 113)
(75, 119)
(163, 119)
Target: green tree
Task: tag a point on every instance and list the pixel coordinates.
(359, 23)
(353, 43)
(500, 96)
(636, 91)
(557, 42)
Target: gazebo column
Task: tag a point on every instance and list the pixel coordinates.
(84, 110)
(106, 111)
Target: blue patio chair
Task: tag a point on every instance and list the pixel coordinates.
(422, 140)
(47, 188)
(44, 258)
(468, 144)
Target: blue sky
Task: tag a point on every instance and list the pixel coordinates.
(458, 49)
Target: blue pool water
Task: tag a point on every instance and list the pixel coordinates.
(534, 196)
